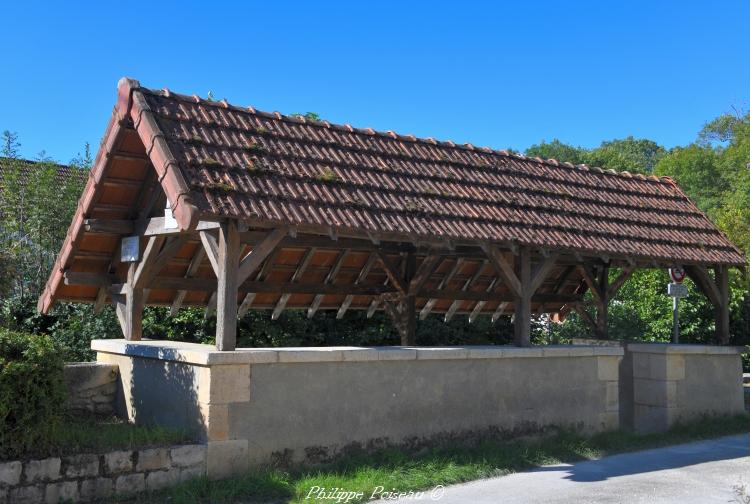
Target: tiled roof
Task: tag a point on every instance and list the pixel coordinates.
(240, 162)
(64, 172)
(338, 185)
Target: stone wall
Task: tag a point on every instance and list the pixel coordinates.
(87, 477)
(253, 406)
(91, 388)
(673, 383)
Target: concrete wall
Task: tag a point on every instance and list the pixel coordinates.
(91, 388)
(254, 406)
(674, 383)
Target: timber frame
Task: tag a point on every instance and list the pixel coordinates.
(424, 240)
(232, 266)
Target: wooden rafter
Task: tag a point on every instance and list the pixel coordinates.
(192, 269)
(477, 310)
(430, 304)
(360, 278)
(467, 285)
(262, 275)
(328, 280)
(284, 299)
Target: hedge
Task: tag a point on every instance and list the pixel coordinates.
(32, 392)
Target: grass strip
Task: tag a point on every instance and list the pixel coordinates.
(443, 464)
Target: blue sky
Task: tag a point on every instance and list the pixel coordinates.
(496, 73)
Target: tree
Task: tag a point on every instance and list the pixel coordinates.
(696, 171)
(628, 154)
(11, 145)
(557, 150)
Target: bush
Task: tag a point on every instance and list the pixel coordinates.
(32, 392)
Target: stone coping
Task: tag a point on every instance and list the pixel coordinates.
(671, 348)
(196, 353)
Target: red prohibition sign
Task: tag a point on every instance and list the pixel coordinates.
(677, 274)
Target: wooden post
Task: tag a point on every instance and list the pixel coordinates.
(522, 320)
(227, 274)
(602, 307)
(717, 291)
(722, 307)
(409, 313)
(133, 309)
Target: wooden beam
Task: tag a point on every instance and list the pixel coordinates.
(153, 246)
(84, 278)
(503, 268)
(259, 253)
(360, 278)
(109, 226)
(427, 308)
(101, 300)
(192, 269)
(625, 273)
(585, 315)
(281, 304)
(147, 273)
(211, 246)
(722, 309)
(522, 319)
(393, 273)
(477, 310)
(589, 277)
(227, 279)
(542, 270)
(499, 311)
(328, 280)
(423, 274)
(704, 282)
(262, 274)
(467, 284)
(133, 307)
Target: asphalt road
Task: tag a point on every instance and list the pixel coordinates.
(705, 471)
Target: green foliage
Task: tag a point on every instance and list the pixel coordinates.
(310, 116)
(10, 144)
(628, 154)
(32, 392)
(36, 207)
(631, 154)
(557, 150)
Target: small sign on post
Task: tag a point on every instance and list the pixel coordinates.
(130, 249)
(677, 290)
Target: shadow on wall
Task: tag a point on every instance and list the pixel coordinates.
(162, 392)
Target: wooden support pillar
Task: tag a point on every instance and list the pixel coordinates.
(400, 306)
(129, 307)
(722, 307)
(227, 274)
(602, 308)
(522, 282)
(522, 318)
(717, 291)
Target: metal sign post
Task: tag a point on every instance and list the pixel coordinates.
(677, 290)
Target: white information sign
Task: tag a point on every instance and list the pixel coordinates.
(677, 290)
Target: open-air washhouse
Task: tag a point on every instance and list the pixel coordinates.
(194, 202)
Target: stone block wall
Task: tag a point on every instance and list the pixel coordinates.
(673, 383)
(91, 388)
(89, 477)
(306, 405)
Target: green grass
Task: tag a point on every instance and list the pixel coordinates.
(98, 435)
(443, 464)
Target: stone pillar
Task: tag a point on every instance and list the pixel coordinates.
(674, 383)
